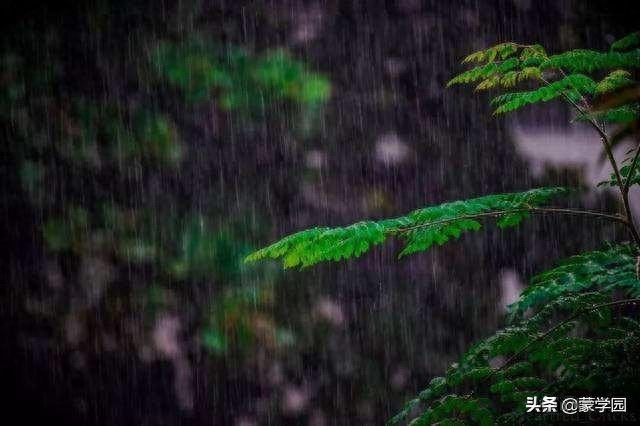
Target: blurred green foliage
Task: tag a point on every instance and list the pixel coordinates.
(87, 158)
(239, 320)
(94, 133)
(68, 233)
(242, 81)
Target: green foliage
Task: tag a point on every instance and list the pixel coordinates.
(502, 51)
(566, 334)
(605, 269)
(573, 86)
(238, 321)
(588, 61)
(577, 353)
(564, 75)
(205, 252)
(613, 81)
(152, 136)
(626, 173)
(240, 80)
(420, 229)
(628, 113)
(506, 72)
(97, 134)
(484, 72)
(103, 169)
(589, 347)
(456, 410)
(66, 233)
(626, 42)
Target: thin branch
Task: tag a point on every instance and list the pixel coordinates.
(632, 168)
(603, 136)
(607, 148)
(585, 101)
(612, 217)
(540, 210)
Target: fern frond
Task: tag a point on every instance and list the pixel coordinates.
(479, 56)
(572, 85)
(601, 270)
(624, 114)
(505, 50)
(419, 229)
(485, 71)
(588, 61)
(613, 81)
(517, 369)
(510, 79)
(534, 52)
(626, 42)
(529, 73)
(501, 51)
(521, 383)
(489, 83)
(573, 361)
(454, 410)
(506, 81)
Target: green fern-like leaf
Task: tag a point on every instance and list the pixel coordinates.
(420, 229)
(624, 114)
(576, 362)
(572, 85)
(603, 269)
(479, 56)
(518, 369)
(506, 65)
(456, 410)
(613, 81)
(521, 383)
(588, 61)
(485, 71)
(533, 53)
(626, 42)
(501, 51)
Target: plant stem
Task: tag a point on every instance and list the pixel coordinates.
(540, 210)
(624, 188)
(632, 168)
(622, 185)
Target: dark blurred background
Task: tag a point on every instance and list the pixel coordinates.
(148, 146)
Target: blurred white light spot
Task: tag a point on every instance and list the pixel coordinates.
(294, 400)
(165, 336)
(399, 378)
(329, 311)
(577, 148)
(394, 66)
(315, 159)
(308, 24)
(244, 421)
(511, 286)
(390, 149)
